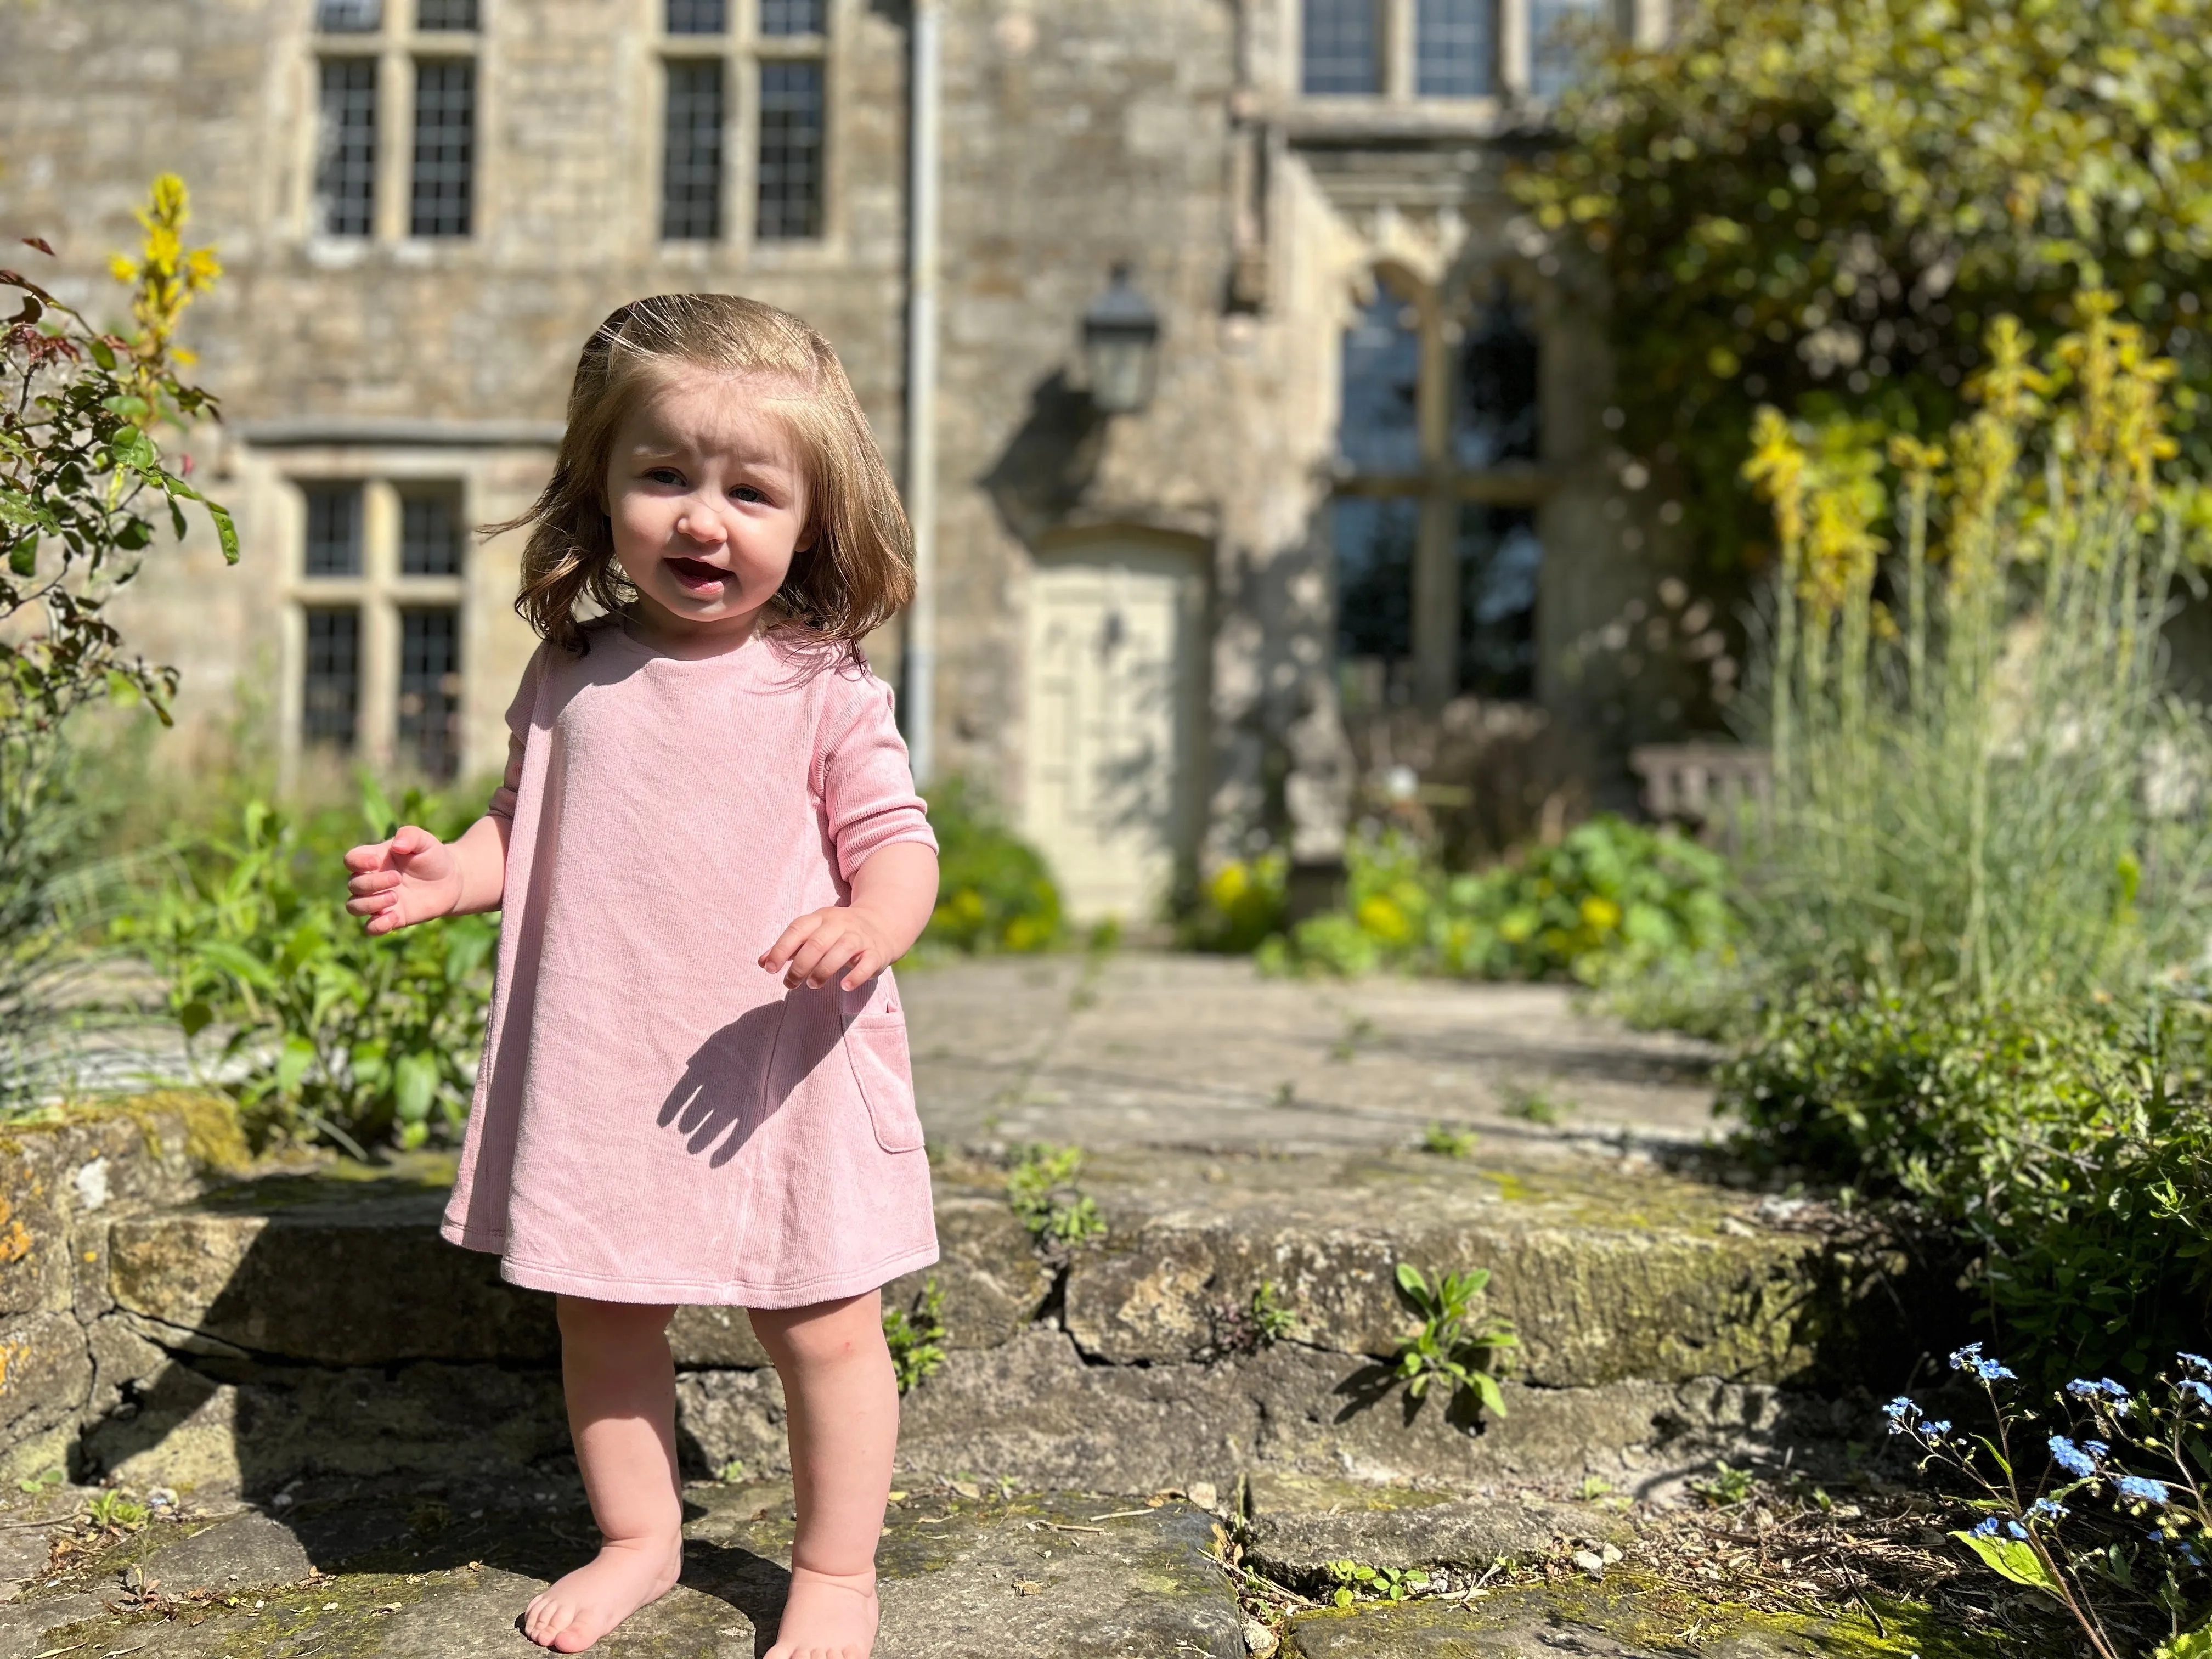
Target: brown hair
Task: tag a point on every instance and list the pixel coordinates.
(856, 569)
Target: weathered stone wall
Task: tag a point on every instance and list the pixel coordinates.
(66, 1352)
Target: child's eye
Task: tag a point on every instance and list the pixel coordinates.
(747, 492)
(665, 475)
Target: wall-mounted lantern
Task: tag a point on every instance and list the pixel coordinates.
(1121, 346)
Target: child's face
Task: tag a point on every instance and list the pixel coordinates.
(707, 501)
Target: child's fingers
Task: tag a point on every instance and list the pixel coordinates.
(371, 904)
(409, 841)
(788, 942)
(823, 955)
(372, 881)
(869, 965)
(368, 857)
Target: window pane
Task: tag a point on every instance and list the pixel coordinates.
(1374, 537)
(792, 17)
(1561, 34)
(430, 534)
(691, 154)
(1380, 428)
(345, 170)
(1494, 417)
(329, 701)
(1455, 47)
(349, 16)
(1339, 40)
(1499, 557)
(698, 16)
(445, 14)
(333, 546)
(790, 151)
(430, 688)
(445, 146)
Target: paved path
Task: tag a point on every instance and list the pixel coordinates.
(1145, 1049)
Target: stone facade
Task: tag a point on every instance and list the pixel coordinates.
(1193, 536)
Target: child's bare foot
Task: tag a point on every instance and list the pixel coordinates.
(592, 1600)
(827, 1617)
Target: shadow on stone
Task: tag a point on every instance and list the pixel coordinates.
(1041, 475)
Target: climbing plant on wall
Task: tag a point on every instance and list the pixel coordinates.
(1821, 207)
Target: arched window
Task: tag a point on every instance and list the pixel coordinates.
(1434, 523)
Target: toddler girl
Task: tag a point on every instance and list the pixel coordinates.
(695, 1085)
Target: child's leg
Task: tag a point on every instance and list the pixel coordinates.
(841, 1397)
(621, 1385)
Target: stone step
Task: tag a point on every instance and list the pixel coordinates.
(440, 1572)
(301, 1324)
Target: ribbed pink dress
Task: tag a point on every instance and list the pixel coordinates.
(656, 1118)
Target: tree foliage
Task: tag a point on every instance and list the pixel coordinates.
(1823, 207)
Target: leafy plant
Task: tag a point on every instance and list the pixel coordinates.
(916, 1338)
(1272, 1318)
(1610, 901)
(1725, 1487)
(994, 890)
(1535, 1106)
(1449, 1141)
(1981, 782)
(42, 1481)
(324, 1032)
(2145, 1457)
(1357, 1582)
(1454, 1342)
(1821, 207)
(1240, 906)
(83, 483)
(115, 1510)
(1042, 1189)
(2069, 1146)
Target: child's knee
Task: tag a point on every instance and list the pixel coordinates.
(822, 1334)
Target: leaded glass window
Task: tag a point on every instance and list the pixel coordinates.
(1499, 559)
(333, 539)
(330, 703)
(1342, 46)
(698, 16)
(345, 171)
(790, 200)
(1495, 414)
(444, 184)
(430, 534)
(430, 688)
(1379, 429)
(434, 16)
(792, 17)
(349, 16)
(691, 152)
(1454, 48)
(1561, 34)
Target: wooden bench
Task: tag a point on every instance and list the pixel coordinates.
(1710, 788)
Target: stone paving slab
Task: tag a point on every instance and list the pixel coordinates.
(1136, 1048)
(428, 1578)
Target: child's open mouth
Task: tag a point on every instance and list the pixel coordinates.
(697, 576)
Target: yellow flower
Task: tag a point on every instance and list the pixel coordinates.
(1599, 916)
(1382, 918)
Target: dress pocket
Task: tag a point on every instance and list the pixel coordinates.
(877, 1046)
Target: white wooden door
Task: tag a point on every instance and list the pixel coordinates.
(1112, 790)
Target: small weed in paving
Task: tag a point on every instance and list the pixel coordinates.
(1725, 1487)
(116, 1511)
(1042, 1189)
(732, 1472)
(1448, 1139)
(1535, 1106)
(1262, 1320)
(42, 1481)
(916, 1337)
(1454, 1342)
(1355, 1583)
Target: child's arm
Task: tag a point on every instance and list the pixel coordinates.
(415, 877)
(893, 893)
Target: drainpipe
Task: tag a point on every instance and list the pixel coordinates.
(924, 147)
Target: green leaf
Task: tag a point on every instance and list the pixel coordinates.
(195, 1016)
(2012, 1558)
(415, 1085)
(293, 1063)
(226, 531)
(1486, 1390)
(376, 809)
(23, 556)
(103, 353)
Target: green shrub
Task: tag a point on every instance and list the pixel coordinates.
(1241, 906)
(1610, 901)
(324, 1032)
(2068, 1145)
(995, 891)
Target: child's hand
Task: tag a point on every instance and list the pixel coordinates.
(822, 943)
(412, 877)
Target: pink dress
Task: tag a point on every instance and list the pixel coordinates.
(656, 1118)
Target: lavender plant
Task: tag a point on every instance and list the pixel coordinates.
(2118, 1525)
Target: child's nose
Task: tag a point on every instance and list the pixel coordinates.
(702, 524)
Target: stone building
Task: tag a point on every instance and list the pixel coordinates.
(1353, 497)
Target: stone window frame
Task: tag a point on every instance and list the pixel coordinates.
(742, 49)
(381, 592)
(397, 46)
(1644, 21)
(1441, 483)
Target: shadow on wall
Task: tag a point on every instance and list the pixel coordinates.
(1048, 463)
